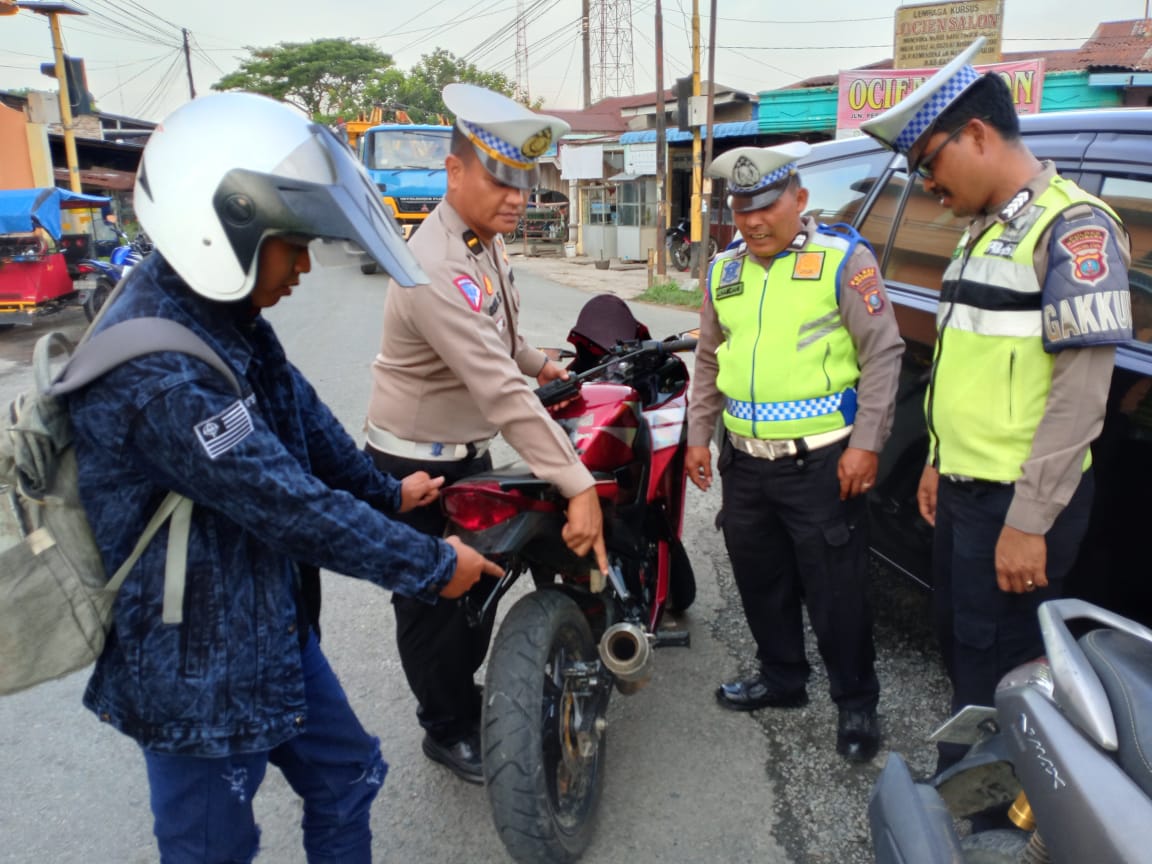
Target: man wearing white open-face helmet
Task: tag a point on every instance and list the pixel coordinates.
(455, 349)
(232, 188)
(799, 355)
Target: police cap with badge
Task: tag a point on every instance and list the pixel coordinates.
(757, 176)
(914, 118)
(508, 137)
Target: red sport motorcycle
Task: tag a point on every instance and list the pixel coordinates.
(562, 648)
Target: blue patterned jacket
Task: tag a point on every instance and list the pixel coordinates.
(275, 480)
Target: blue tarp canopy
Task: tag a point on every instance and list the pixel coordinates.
(740, 129)
(21, 210)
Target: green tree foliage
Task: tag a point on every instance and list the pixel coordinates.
(331, 78)
(418, 92)
(326, 78)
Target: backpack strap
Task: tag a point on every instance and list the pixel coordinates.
(101, 353)
(104, 351)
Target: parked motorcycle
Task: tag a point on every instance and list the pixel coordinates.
(105, 274)
(565, 646)
(679, 240)
(1066, 747)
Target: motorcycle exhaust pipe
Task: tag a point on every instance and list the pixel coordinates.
(626, 652)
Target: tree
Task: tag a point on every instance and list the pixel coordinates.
(418, 92)
(325, 78)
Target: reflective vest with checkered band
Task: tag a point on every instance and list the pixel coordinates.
(786, 353)
(991, 377)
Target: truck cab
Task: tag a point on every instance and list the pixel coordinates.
(406, 162)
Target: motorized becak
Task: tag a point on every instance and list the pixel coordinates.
(562, 648)
(44, 233)
(1063, 755)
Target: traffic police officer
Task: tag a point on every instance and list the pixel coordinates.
(451, 374)
(1031, 308)
(799, 353)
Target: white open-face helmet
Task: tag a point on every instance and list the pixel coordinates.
(224, 171)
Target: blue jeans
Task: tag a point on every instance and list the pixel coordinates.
(203, 807)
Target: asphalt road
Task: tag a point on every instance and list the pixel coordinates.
(686, 781)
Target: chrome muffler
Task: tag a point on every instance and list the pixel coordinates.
(627, 653)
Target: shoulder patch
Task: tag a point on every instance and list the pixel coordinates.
(1086, 246)
(866, 283)
(470, 290)
(221, 432)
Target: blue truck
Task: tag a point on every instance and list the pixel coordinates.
(406, 162)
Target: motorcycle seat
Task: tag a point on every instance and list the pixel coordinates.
(1124, 664)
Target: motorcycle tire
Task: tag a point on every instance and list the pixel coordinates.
(543, 792)
(1001, 846)
(681, 256)
(681, 580)
(97, 297)
(713, 248)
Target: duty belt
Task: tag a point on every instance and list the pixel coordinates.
(763, 448)
(386, 442)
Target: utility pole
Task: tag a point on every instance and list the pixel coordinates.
(707, 215)
(53, 10)
(661, 149)
(586, 27)
(188, 65)
(697, 155)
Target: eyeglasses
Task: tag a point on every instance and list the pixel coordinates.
(923, 166)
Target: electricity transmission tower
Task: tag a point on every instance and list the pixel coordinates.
(610, 28)
(521, 94)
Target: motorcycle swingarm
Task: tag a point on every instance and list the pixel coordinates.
(910, 822)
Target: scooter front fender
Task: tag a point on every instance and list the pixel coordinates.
(910, 822)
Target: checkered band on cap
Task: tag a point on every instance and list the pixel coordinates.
(767, 412)
(934, 107)
(781, 173)
(495, 147)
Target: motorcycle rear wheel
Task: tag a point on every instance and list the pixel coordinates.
(543, 791)
(97, 297)
(681, 255)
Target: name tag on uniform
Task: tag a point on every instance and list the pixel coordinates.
(808, 265)
(730, 284)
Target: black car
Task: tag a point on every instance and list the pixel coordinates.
(1106, 153)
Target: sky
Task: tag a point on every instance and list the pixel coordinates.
(135, 62)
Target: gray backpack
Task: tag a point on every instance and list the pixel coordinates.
(55, 598)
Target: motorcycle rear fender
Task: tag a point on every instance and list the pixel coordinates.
(910, 823)
(984, 778)
(1086, 807)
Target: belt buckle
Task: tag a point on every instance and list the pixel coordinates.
(777, 449)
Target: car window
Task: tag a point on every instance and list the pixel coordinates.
(1132, 199)
(836, 188)
(925, 238)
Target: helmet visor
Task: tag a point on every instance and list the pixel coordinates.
(318, 190)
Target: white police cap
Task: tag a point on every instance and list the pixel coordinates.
(914, 116)
(757, 176)
(507, 136)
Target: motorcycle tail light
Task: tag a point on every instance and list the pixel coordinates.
(86, 268)
(481, 506)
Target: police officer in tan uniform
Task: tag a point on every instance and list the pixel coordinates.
(453, 370)
(799, 353)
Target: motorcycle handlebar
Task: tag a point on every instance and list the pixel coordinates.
(561, 389)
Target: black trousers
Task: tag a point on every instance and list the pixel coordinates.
(439, 651)
(792, 541)
(984, 632)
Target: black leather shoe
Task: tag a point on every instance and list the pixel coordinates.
(752, 694)
(462, 758)
(857, 735)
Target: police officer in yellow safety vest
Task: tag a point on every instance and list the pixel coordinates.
(1032, 306)
(800, 354)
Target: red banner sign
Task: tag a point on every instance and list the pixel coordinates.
(865, 93)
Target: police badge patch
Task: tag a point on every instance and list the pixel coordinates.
(470, 290)
(221, 433)
(867, 284)
(1089, 263)
(730, 284)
